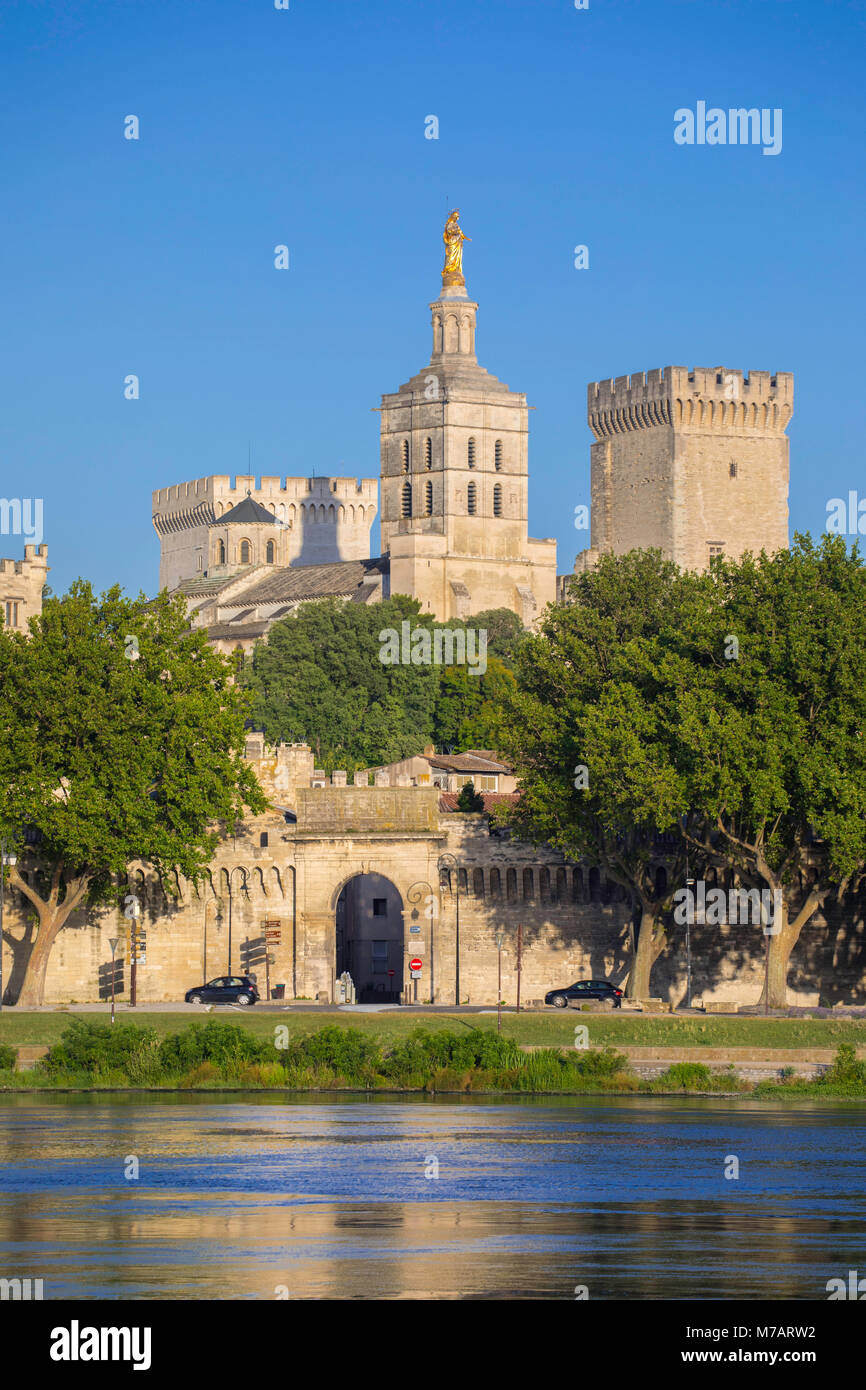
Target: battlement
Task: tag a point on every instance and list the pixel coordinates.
(709, 398)
(35, 558)
(220, 486)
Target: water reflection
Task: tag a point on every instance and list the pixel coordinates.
(332, 1199)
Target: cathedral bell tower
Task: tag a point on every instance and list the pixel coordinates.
(454, 475)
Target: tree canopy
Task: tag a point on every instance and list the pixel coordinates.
(121, 739)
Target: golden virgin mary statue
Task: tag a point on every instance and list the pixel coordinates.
(452, 272)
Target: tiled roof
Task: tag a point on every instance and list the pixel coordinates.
(471, 761)
(448, 800)
(203, 588)
(295, 582)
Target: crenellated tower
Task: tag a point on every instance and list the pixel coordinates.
(692, 462)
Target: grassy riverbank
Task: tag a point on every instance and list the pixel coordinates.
(551, 1029)
(220, 1055)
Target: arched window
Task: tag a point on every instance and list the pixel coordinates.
(245, 552)
(497, 455)
(495, 884)
(221, 553)
(577, 885)
(561, 885)
(428, 453)
(528, 888)
(406, 499)
(511, 884)
(544, 884)
(404, 455)
(470, 453)
(270, 552)
(471, 500)
(594, 885)
(478, 882)
(462, 881)
(497, 499)
(428, 498)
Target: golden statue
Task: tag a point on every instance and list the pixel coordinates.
(452, 272)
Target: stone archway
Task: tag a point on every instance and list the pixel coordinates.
(368, 938)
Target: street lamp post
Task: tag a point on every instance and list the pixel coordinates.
(112, 941)
(219, 922)
(445, 863)
(690, 883)
(499, 985)
(11, 860)
(230, 872)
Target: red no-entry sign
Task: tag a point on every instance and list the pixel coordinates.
(415, 963)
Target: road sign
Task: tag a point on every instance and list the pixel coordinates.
(390, 972)
(415, 963)
(414, 974)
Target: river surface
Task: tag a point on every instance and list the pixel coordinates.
(349, 1197)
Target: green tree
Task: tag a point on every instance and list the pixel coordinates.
(469, 799)
(590, 739)
(468, 709)
(121, 739)
(770, 711)
(320, 679)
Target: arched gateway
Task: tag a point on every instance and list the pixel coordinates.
(368, 938)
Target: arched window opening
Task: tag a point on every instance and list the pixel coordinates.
(428, 453)
(404, 455)
(577, 885)
(221, 552)
(270, 552)
(245, 552)
(471, 499)
(544, 884)
(470, 453)
(511, 884)
(497, 455)
(528, 885)
(406, 500)
(428, 498)
(497, 499)
(495, 884)
(478, 882)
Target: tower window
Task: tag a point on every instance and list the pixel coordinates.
(470, 453)
(245, 552)
(732, 468)
(471, 499)
(497, 455)
(428, 498)
(221, 552)
(497, 499)
(200, 561)
(428, 453)
(11, 613)
(270, 552)
(716, 548)
(406, 499)
(404, 455)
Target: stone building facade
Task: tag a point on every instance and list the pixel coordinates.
(21, 586)
(313, 866)
(691, 462)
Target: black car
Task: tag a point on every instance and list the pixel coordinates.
(585, 989)
(227, 989)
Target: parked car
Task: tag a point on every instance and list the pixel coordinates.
(227, 989)
(585, 989)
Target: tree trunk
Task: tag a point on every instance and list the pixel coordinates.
(650, 943)
(52, 917)
(781, 946)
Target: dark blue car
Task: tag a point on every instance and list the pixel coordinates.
(226, 989)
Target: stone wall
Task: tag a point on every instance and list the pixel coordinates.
(290, 866)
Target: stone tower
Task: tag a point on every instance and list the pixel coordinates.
(325, 519)
(454, 481)
(694, 463)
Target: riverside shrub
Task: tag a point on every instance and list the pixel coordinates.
(96, 1047)
(8, 1057)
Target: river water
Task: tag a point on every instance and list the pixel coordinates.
(354, 1197)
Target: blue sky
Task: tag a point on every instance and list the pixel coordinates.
(306, 127)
